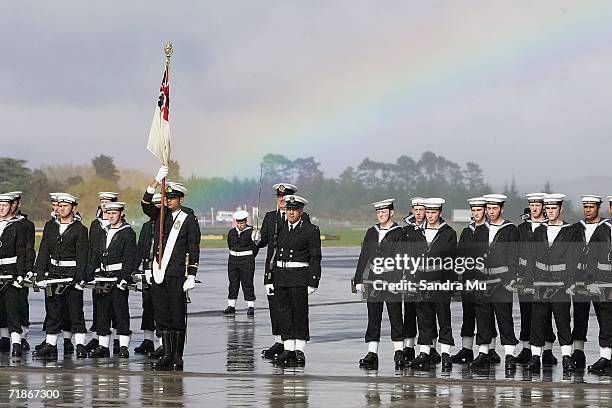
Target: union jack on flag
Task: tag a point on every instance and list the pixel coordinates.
(159, 135)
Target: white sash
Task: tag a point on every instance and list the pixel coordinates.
(159, 273)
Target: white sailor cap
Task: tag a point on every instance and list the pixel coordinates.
(115, 206)
(477, 202)
(156, 198)
(591, 199)
(240, 215)
(175, 190)
(67, 198)
(433, 203)
(384, 204)
(16, 194)
(554, 198)
(55, 195)
(107, 195)
(495, 198)
(6, 198)
(417, 201)
(283, 189)
(610, 199)
(295, 201)
(535, 197)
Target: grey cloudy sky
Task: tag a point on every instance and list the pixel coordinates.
(514, 86)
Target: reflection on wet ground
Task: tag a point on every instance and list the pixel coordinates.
(223, 365)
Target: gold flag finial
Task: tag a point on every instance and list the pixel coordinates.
(168, 50)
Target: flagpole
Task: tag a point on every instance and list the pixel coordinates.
(168, 51)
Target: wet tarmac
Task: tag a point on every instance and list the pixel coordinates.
(223, 364)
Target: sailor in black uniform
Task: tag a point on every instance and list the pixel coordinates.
(553, 263)
(382, 241)
(63, 254)
(499, 240)
(241, 263)
(176, 274)
(115, 257)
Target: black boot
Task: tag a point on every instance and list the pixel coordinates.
(5, 345)
(481, 361)
(39, 346)
(179, 338)
(166, 362)
(568, 364)
(434, 356)
(548, 359)
(230, 310)
(25, 346)
(251, 311)
(494, 358)
(300, 358)
(579, 359)
(68, 347)
(46, 351)
(421, 362)
(600, 366)
(286, 359)
(91, 346)
(524, 356)
(274, 350)
(447, 362)
(123, 352)
(17, 350)
(116, 346)
(100, 352)
(510, 362)
(369, 362)
(464, 356)
(80, 351)
(408, 355)
(398, 359)
(533, 364)
(145, 347)
(157, 353)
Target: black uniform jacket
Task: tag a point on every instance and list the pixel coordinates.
(392, 244)
(599, 257)
(436, 257)
(13, 241)
(143, 248)
(121, 250)
(501, 255)
(556, 262)
(240, 241)
(30, 235)
(467, 247)
(526, 230)
(581, 267)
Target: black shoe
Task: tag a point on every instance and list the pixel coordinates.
(568, 364)
(179, 347)
(39, 346)
(157, 353)
(116, 346)
(533, 364)
(145, 347)
(274, 350)
(166, 362)
(600, 366)
(369, 362)
(300, 358)
(17, 350)
(251, 311)
(46, 351)
(80, 351)
(548, 359)
(481, 361)
(25, 346)
(286, 359)
(510, 362)
(494, 358)
(398, 358)
(579, 359)
(229, 310)
(524, 356)
(123, 352)
(68, 347)
(464, 356)
(434, 356)
(447, 362)
(5, 345)
(421, 362)
(91, 346)
(100, 352)
(408, 355)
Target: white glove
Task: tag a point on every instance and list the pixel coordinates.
(510, 286)
(189, 283)
(148, 276)
(594, 289)
(256, 236)
(530, 290)
(137, 277)
(79, 286)
(360, 287)
(571, 290)
(269, 289)
(29, 275)
(311, 290)
(122, 285)
(161, 173)
(17, 282)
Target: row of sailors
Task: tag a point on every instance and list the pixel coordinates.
(550, 263)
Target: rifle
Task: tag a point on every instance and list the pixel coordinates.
(61, 284)
(550, 289)
(275, 248)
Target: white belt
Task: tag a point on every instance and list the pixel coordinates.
(8, 261)
(497, 270)
(581, 266)
(522, 262)
(112, 267)
(290, 264)
(104, 279)
(550, 268)
(492, 281)
(55, 262)
(604, 267)
(548, 284)
(241, 253)
(6, 277)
